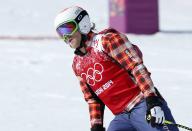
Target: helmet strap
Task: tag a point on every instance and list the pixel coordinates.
(82, 44)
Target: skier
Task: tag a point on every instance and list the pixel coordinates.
(111, 72)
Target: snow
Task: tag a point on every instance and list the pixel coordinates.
(38, 90)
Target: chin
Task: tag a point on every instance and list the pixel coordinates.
(74, 46)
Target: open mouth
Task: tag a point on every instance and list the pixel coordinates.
(70, 40)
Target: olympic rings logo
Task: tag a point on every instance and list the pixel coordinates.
(93, 75)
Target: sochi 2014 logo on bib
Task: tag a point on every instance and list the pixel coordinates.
(94, 74)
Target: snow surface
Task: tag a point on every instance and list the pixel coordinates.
(38, 90)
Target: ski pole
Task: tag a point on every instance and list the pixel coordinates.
(166, 122)
(178, 125)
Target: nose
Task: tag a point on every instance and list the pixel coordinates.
(67, 39)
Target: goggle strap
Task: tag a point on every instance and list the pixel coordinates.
(80, 16)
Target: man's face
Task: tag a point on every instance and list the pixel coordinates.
(74, 40)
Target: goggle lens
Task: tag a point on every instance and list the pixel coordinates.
(67, 28)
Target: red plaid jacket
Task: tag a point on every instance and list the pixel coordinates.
(129, 57)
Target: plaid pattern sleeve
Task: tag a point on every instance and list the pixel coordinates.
(96, 107)
(119, 48)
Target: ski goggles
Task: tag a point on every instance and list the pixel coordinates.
(67, 29)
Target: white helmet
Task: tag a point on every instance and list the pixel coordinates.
(79, 15)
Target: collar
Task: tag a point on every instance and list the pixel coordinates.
(85, 42)
(89, 38)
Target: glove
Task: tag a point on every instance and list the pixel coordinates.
(98, 128)
(155, 114)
